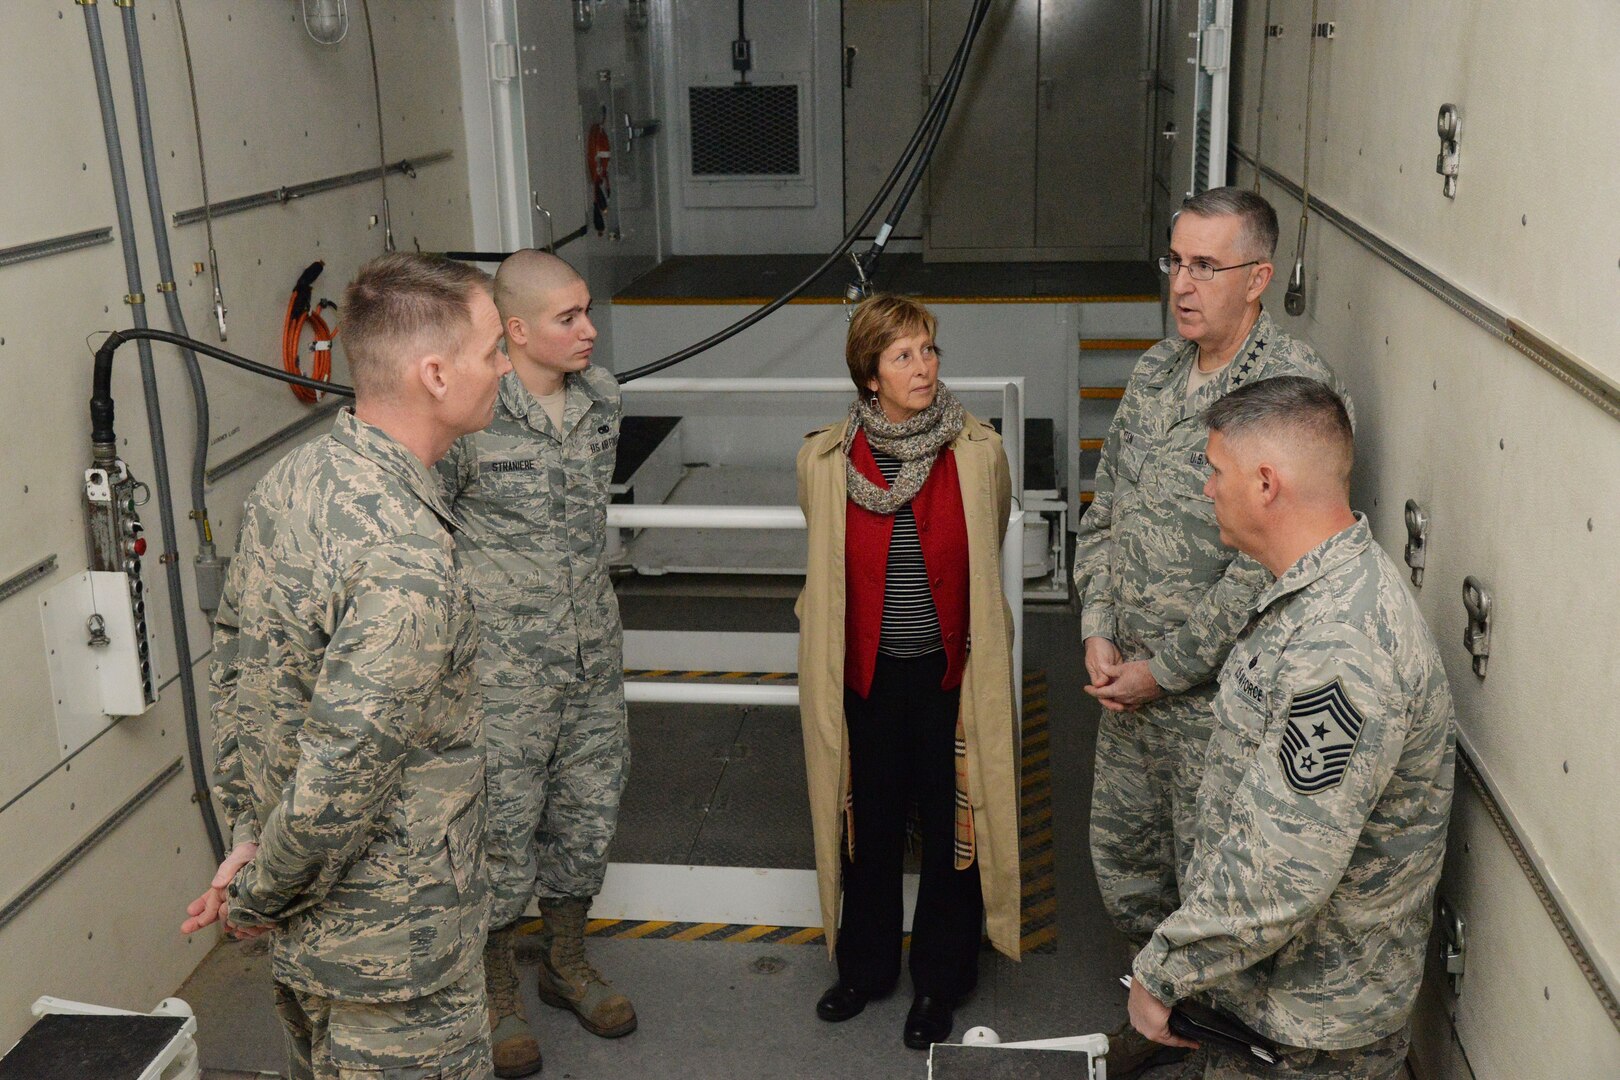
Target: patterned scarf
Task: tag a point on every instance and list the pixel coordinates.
(914, 441)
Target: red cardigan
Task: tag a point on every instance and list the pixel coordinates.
(942, 532)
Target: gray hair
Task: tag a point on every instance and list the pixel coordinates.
(1289, 407)
(405, 303)
(1259, 237)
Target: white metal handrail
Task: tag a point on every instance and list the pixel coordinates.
(1010, 387)
(664, 516)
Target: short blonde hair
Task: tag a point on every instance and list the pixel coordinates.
(878, 322)
(404, 303)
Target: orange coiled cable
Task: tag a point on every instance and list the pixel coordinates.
(299, 315)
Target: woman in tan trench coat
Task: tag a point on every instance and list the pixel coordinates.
(909, 475)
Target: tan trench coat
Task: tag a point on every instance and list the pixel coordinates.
(987, 686)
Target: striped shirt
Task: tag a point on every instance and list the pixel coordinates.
(910, 623)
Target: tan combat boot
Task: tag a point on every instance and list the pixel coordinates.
(515, 1049)
(567, 979)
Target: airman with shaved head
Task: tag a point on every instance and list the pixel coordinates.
(1321, 819)
(532, 490)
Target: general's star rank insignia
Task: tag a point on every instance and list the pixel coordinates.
(1322, 730)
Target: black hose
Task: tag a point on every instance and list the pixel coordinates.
(868, 262)
(101, 402)
(154, 419)
(936, 108)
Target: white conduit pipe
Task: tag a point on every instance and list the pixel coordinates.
(700, 693)
(667, 516)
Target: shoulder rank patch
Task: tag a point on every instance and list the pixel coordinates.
(1322, 730)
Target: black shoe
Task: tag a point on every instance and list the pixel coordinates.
(928, 1022)
(841, 1002)
(1130, 1053)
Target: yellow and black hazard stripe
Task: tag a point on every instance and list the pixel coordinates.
(663, 930)
(1038, 918)
(710, 676)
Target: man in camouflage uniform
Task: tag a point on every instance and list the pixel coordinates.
(349, 745)
(1161, 597)
(533, 490)
(1322, 817)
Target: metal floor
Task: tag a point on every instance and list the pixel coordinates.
(725, 786)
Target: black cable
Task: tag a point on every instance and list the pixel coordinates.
(742, 50)
(101, 403)
(936, 107)
(867, 264)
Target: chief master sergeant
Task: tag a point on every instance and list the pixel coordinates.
(349, 743)
(533, 491)
(1322, 816)
(1162, 598)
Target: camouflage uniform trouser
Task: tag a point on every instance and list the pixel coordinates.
(1381, 1060)
(443, 1036)
(1144, 809)
(558, 758)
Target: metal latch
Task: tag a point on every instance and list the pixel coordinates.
(1477, 638)
(1417, 538)
(1453, 943)
(1449, 127)
(634, 131)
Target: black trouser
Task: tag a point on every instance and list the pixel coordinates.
(902, 746)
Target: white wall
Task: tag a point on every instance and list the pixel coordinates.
(276, 109)
(1516, 470)
(789, 36)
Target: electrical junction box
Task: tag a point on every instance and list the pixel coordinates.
(100, 658)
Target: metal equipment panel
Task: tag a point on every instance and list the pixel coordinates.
(884, 98)
(551, 118)
(1092, 124)
(981, 185)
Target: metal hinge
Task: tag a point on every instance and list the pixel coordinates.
(503, 61)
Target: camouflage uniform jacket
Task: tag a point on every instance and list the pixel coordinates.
(1149, 565)
(535, 506)
(346, 729)
(1322, 815)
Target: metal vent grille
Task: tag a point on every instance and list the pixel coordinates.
(745, 130)
(1202, 155)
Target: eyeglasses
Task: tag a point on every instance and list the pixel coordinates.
(1197, 270)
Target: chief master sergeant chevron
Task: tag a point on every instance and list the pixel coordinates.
(349, 743)
(533, 491)
(1162, 599)
(1322, 815)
